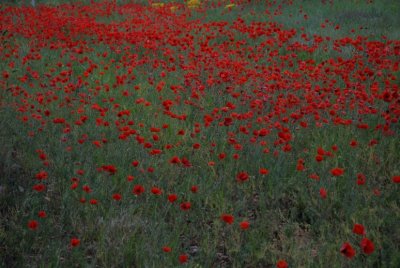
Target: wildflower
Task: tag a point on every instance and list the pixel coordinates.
(376, 192)
(353, 143)
(74, 186)
(138, 189)
(175, 160)
(33, 225)
(75, 242)
(359, 229)
(42, 214)
(367, 246)
(361, 179)
(39, 187)
(172, 198)
(42, 175)
(183, 258)
(185, 206)
(323, 193)
(281, 264)
(86, 188)
(156, 191)
(117, 197)
(347, 250)
(337, 171)
(242, 176)
(166, 249)
(244, 225)
(157, 5)
(194, 189)
(319, 158)
(227, 218)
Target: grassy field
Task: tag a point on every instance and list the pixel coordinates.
(200, 133)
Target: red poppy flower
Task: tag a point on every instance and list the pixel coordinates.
(337, 171)
(263, 171)
(322, 193)
(194, 189)
(367, 246)
(166, 249)
(138, 189)
(396, 179)
(353, 143)
(372, 142)
(244, 225)
(319, 158)
(377, 192)
(300, 165)
(117, 197)
(186, 162)
(75, 242)
(228, 218)
(281, 264)
(183, 258)
(320, 151)
(361, 179)
(347, 250)
(74, 186)
(42, 175)
(172, 198)
(156, 191)
(242, 176)
(86, 188)
(359, 229)
(42, 214)
(39, 187)
(185, 205)
(33, 225)
(175, 160)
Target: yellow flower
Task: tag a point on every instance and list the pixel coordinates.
(230, 5)
(157, 4)
(193, 3)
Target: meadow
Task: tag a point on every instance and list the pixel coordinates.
(200, 133)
